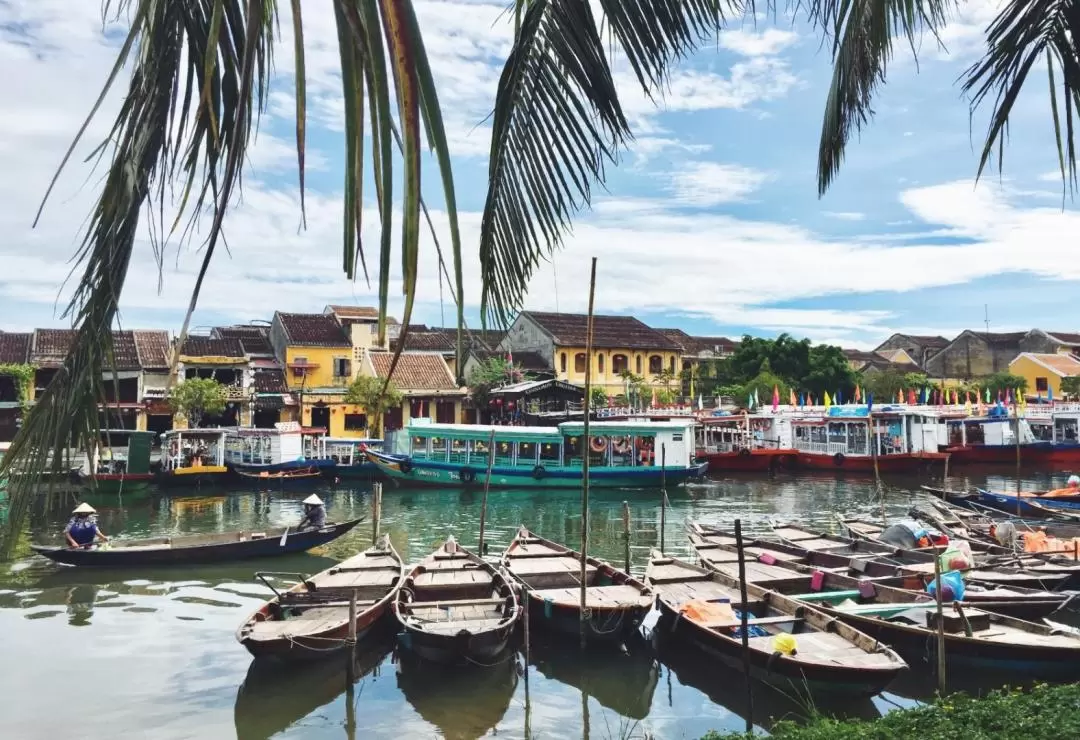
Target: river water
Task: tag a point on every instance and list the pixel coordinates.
(152, 653)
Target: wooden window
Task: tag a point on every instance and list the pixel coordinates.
(579, 362)
(600, 364)
(562, 361)
(1041, 384)
(671, 365)
(355, 422)
(342, 368)
(637, 364)
(619, 364)
(656, 365)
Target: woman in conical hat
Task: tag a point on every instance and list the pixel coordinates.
(314, 513)
(82, 529)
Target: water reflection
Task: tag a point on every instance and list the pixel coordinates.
(165, 637)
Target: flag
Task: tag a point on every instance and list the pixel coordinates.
(811, 400)
(869, 401)
(911, 396)
(899, 396)
(1038, 396)
(1023, 401)
(987, 395)
(837, 398)
(922, 394)
(700, 403)
(750, 401)
(757, 399)
(858, 394)
(802, 400)
(828, 401)
(1049, 394)
(1009, 398)
(775, 398)
(792, 398)
(691, 384)
(967, 402)
(654, 404)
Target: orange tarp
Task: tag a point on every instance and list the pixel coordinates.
(1040, 542)
(707, 611)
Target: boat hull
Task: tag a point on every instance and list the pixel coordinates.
(326, 466)
(748, 461)
(782, 675)
(605, 626)
(483, 649)
(119, 483)
(907, 462)
(317, 647)
(1019, 505)
(122, 557)
(192, 477)
(426, 473)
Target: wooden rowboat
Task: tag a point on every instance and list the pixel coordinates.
(311, 619)
(196, 549)
(915, 562)
(829, 656)
(789, 565)
(974, 639)
(550, 572)
(280, 476)
(455, 607)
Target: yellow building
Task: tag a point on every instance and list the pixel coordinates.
(622, 345)
(318, 358)
(1044, 372)
(425, 382)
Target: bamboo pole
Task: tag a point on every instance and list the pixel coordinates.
(587, 408)
(626, 533)
(376, 511)
(487, 485)
(940, 624)
(663, 494)
(1017, 412)
(350, 642)
(744, 610)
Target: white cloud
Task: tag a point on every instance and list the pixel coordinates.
(704, 184)
(755, 44)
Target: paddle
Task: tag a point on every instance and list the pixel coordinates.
(284, 536)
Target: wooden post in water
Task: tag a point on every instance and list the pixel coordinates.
(744, 610)
(350, 642)
(626, 532)
(1016, 410)
(376, 510)
(587, 409)
(940, 624)
(663, 495)
(487, 485)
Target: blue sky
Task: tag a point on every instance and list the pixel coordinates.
(711, 222)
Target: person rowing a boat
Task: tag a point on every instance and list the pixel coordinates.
(314, 513)
(82, 529)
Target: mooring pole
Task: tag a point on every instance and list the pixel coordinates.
(626, 534)
(745, 611)
(487, 485)
(586, 443)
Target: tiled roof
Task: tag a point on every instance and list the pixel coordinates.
(211, 347)
(15, 347)
(240, 331)
(569, 330)
(269, 381)
(125, 351)
(858, 355)
(1002, 338)
(354, 312)
(415, 371)
(714, 344)
(1065, 337)
(679, 337)
(50, 346)
(153, 349)
(312, 330)
(1064, 365)
(430, 341)
(527, 361)
(256, 345)
(935, 341)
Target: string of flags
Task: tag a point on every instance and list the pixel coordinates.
(927, 396)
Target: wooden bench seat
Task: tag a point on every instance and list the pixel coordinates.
(726, 623)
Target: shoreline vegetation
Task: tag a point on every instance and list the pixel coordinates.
(1047, 711)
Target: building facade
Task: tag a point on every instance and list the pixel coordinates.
(1045, 372)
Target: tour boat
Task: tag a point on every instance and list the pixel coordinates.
(286, 447)
(621, 455)
(193, 457)
(349, 458)
(744, 443)
(852, 438)
(121, 462)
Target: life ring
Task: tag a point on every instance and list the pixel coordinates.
(598, 444)
(539, 472)
(621, 445)
(467, 475)
(838, 459)
(744, 452)
(405, 466)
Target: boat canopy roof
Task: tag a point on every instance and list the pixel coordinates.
(483, 432)
(212, 432)
(597, 428)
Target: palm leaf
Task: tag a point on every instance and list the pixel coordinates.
(557, 121)
(863, 32)
(1021, 34)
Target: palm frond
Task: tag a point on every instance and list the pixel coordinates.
(862, 33)
(1022, 33)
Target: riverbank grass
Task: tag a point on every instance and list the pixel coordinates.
(1043, 711)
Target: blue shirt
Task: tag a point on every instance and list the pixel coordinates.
(82, 529)
(315, 517)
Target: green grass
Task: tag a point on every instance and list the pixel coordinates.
(1044, 711)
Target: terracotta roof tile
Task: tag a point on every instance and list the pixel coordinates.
(354, 312)
(569, 329)
(415, 371)
(1064, 365)
(527, 361)
(15, 347)
(49, 348)
(929, 341)
(1065, 337)
(240, 331)
(211, 347)
(269, 381)
(312, 330)
(153, 348)
(430, 341)
(679, 337)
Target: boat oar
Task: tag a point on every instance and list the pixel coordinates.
(284, 536)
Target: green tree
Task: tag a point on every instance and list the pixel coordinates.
(828, 371)
(884, 384)
(376, 396)
(1071, 387)
(491, 373)
(1002, 383)
(196, 398)
(763, 384)
(200, 78)
(599, 398)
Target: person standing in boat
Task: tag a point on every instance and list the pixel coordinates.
(82, 529)
(314, 513)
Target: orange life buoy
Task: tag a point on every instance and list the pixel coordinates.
(598, 444)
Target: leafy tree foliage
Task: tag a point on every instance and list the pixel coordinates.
(196, 398)
(376, 396)
(790, 364)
